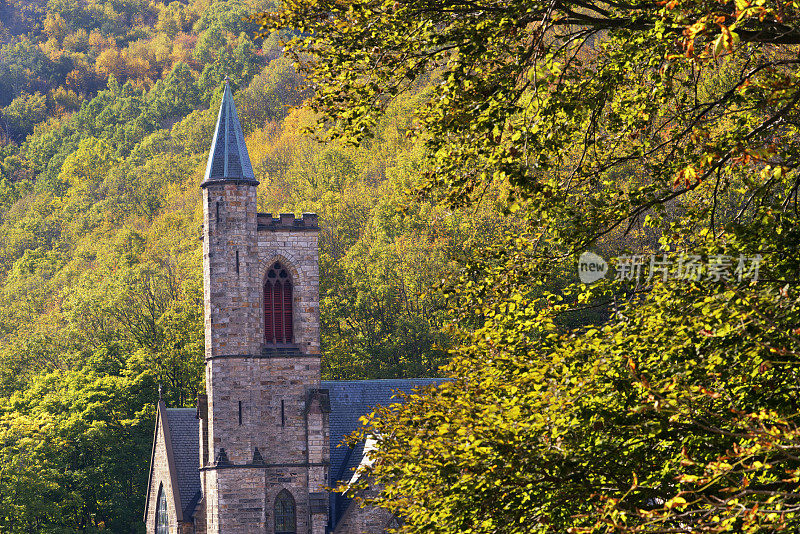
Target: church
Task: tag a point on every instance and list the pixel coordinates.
(262, 446)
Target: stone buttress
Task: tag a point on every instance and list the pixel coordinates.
(264, 418)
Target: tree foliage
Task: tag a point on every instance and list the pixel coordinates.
(621, 127)
(108, 110)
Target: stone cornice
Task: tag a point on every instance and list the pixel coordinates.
(262, 466)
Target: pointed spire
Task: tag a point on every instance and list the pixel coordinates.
(228, 159)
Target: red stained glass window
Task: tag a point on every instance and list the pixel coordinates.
(278, 306)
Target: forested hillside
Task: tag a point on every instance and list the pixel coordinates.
(107, 112)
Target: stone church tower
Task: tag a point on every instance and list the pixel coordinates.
(255, 455)
(264, 422)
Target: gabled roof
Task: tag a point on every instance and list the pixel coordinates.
(181, 437)
(228, 159)
(350, 399)
(162, 429)
(185, 429)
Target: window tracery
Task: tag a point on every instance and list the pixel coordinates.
(278, 328)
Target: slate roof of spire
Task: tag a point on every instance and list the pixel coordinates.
(228, 158)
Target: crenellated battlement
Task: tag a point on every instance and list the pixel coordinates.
(287, 221)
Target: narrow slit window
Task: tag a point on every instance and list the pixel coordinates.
(283, 414)
(237, 262)
(162, 517)
(240, 413)
(278, 297)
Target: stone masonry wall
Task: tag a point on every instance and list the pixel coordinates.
(366, 520)
(272, 393)
(161, 476)
(257, 397)
(255, 506)
(231, 272)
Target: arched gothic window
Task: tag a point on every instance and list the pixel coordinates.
(278, 306)
(285, 514)
(162, 519)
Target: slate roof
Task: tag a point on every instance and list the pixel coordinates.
(350, 399)
(184, 428)
(228, 158)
